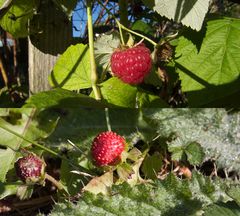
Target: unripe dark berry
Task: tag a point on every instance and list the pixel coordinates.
(30, 169)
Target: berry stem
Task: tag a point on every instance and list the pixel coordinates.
(107, 119)
(121, 35)
(121, 26)
(54, 181)
(94, 75)
(135, 33)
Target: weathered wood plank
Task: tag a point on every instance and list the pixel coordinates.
(40, 66)
(53, 35)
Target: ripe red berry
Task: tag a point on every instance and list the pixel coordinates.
(30, 169)
(131, 65)
(107, 148)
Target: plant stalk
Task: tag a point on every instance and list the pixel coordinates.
(138, 34)
(94, 75)
(123, 12)
(39, 146)
(54, 181)
(120, 25)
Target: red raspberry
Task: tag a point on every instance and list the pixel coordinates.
(107, 148)
(131, 65)
(30, 169)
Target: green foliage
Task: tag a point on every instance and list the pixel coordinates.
(205, 62)
(223, 209)
(152, 165)
(26, 122)
(72, 70)
(143, 27)
(104, 47)
(210, 72)
(214, 129)
(16, 19)
(234, 192)
(189, 13)
(114, 91)
(7, 158)
(61, 98)
(64, 120)
(193, 131)
(193, 152)
(84, 124)
(171, 196)
(7, 189)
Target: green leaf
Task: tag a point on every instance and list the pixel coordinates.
(215, 130)
(50, 29)
(152, 165)
(177, 152)
(84, 124)
(169, 197)
(7, 189)
(116, 92)
(18, 122)
(189, 13)
(147, 100)
(208, 190)
(72, 69)
(212, 72)
(195, 153)
(223, 209)
(15, 21)
(234, 192)
(26, 122)
(104, 47)
(62, 98)
(143, 27)
(71, 181)
(7, 158)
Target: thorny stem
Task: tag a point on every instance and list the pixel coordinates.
(121, 26)
(94, 75)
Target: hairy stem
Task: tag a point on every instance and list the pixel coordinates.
(54, 181)
(94, 75)
(107, 119)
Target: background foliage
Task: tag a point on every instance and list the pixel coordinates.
(195, 60)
